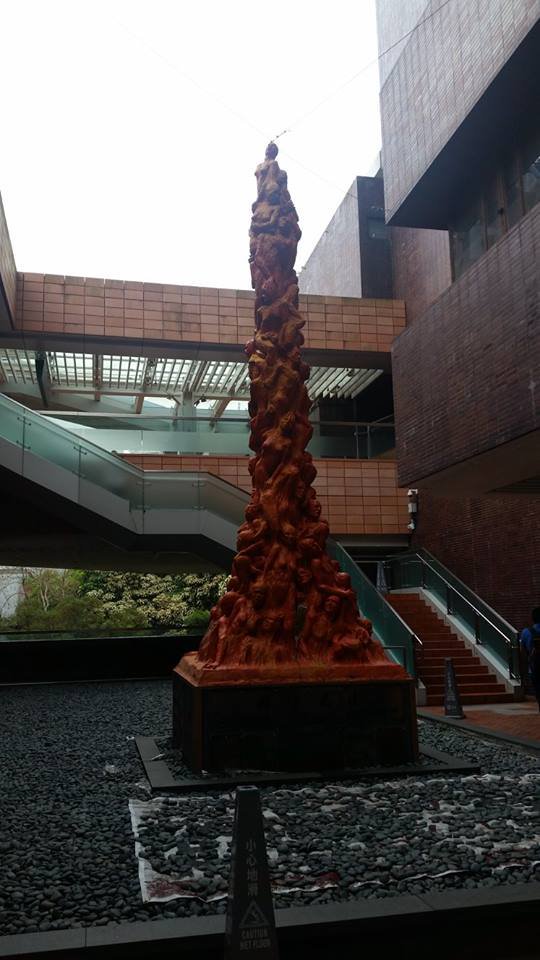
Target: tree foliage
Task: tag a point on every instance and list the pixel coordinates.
(81, 599)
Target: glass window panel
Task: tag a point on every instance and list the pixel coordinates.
(377, 229)
(493, 212)
(468, 238)
(530, 177)
(512, 191)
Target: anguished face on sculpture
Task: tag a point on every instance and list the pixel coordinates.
(303, 576)
(300, 490)
(287, 423)
(258, 594)
(314, 509)
(331, 605)
(289, 536)
(254, 366)
(310, 547)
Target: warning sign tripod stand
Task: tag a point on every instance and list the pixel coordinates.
(250, 927)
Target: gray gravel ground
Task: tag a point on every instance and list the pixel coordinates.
(69, 769)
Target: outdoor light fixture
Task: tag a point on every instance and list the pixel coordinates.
(412, 507)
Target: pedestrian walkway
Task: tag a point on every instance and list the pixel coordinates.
(511, 719)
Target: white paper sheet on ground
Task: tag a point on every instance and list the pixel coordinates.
(158, 887)
(161, 887)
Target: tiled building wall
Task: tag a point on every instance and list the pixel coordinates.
(8, 274)
(420, 266)
(357, 496)
(445, 66)
(491, 543)
(151, 311)
(333, 267)
(467, 372)
(395, 20)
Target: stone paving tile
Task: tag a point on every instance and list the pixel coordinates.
(515, 719)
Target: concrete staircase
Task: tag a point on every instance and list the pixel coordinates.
(475, 682)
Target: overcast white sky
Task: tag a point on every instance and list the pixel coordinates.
(120, 157)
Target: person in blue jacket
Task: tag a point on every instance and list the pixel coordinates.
(530, 642)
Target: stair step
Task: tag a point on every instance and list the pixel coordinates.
(430, 678)
(476, 670)
(447, 652)
(462, 660)
(441, 642)
(437, 653)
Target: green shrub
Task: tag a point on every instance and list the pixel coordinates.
(197, 618)
(88, 599)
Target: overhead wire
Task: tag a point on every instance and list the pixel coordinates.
(367, 66)
(247, 121)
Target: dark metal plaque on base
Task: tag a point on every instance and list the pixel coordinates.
(250, 927)
(295, 726)
(452, 699)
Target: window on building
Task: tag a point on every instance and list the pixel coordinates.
(513, 206)
(377, 229)
(530, 172)
(468, 237)
(493, 211)
(512, 189)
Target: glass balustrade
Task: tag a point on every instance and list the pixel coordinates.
(205, 436)
(392, 631)
(108, 485)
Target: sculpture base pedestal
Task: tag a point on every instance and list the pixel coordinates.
(291, 718)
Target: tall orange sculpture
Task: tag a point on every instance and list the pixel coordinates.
(287, 602)
(288, 676)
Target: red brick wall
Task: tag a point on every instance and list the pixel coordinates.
(421, 267)
(443, 68)
(357, 496)
(491, 543)
(151, 311)
(467, 372)
(8, 274)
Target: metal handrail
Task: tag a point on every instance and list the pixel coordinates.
(416, 641)
(459, 594)
(136, 418)
(486, 605)
(413, 636)
(511, 644)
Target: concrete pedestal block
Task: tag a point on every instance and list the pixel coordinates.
(294, 725)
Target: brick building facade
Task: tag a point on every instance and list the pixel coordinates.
(460, 154)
